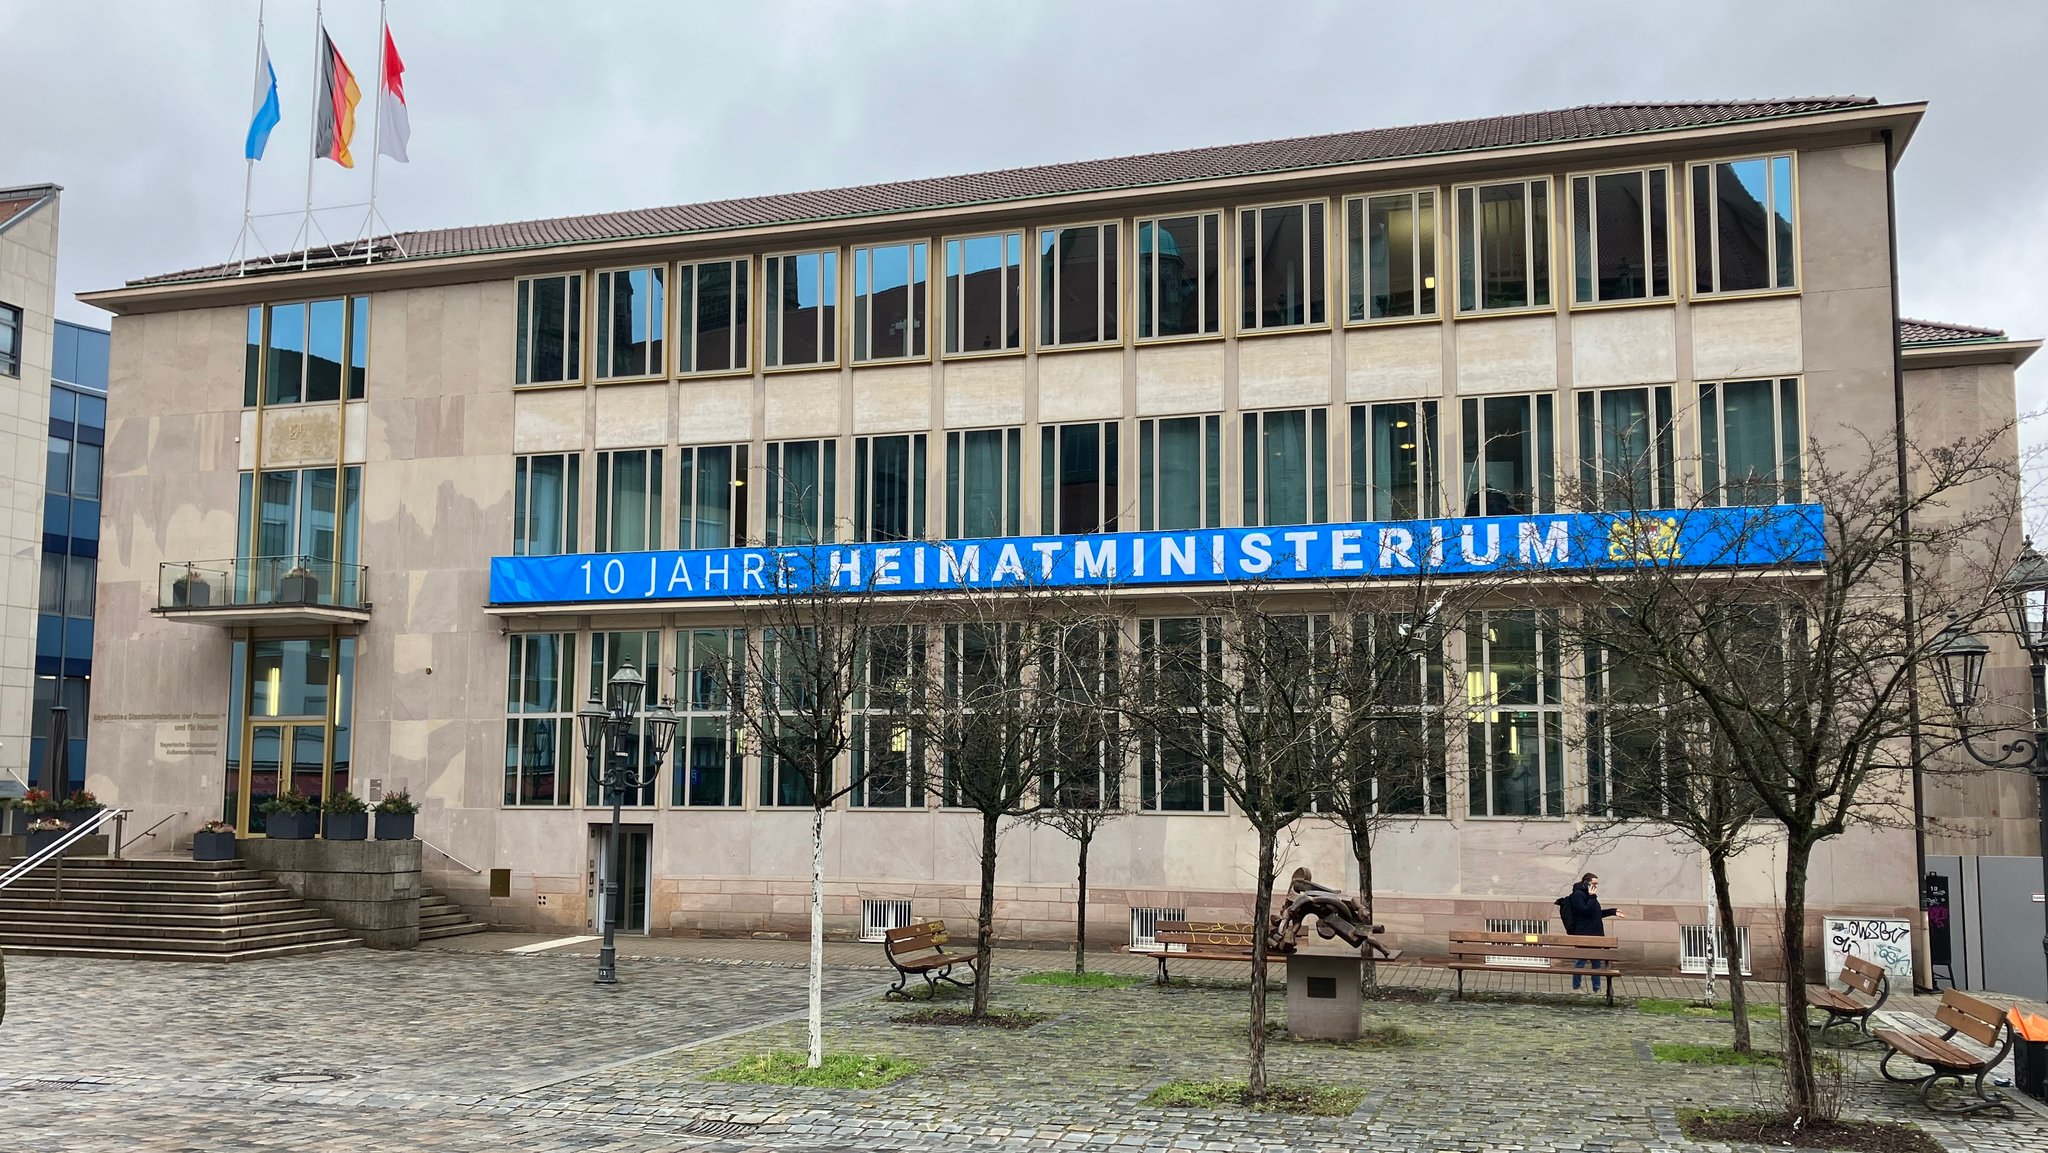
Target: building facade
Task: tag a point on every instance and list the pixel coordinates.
(313, 469)
(71, 545)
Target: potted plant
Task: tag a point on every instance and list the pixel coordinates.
(291, 817)
(347, 817)
(191, 590)
(395, 816)
(298, 586)
(44, 832)
(78, 808)
(215, 841)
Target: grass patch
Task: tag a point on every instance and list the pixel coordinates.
(1665, 1007)
(1067, 980)
(840, 1070)
(1689, 1054)
(1733, 1127)
(1312, 1100)
(996, 1018)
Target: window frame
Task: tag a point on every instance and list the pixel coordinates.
(1662, 407)
(1140, 283)
(688, 500)
(1427, 414)
(943, 318)
(864, 713)
(355, 323)
(516, 657)
(1245, 300)
(685, 657)
(605, 476)
(576, 302)
(1252, 482)
(598, 660)
(1108, 459)
(11, 320)
(1671, 264)
(1109, 298)
(1210, 466)
(1710, 492)
(1484, 709)
(1547, 281)
(1434, 269)
(1012, 514)
(1543, 465)
(740, 345)
(1693, 290)
(826, 527)
(917, 502)
(1151, 771)
(771, 356)
(919, 246)
(522, 502)
(605, 279)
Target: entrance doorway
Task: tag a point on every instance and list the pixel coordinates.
(283, 758)
(634, 842)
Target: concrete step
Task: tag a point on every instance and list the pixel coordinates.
(462, 929)
(162, 883)
(13, 941)
(25, 906)
(153, 869)
(80, 889)
(157, 924)
(119, 954)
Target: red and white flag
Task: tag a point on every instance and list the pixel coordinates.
(393, 129)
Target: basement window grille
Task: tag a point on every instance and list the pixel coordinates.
(877, 917)
(1524, 925)
(1693, 944)
(1144, 921)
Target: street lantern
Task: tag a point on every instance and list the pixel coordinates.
(2025, 592)
(608, 729)
(1959, 666)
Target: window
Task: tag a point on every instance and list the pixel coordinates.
(1181, 657)
(1510, 453)
(608, 652)
(1515, 736)
(710, 762)
(63, 595)
(714, 334)
(712, 481)
(890, 301)
(545, 504)
(1281, 251)
(887, 756)
(307, 353)
(549, 330)
(983, 671)
(1286, 466)
(298, 519)
(982, 487)
(1080, 663)
(801, 309)
(1621, 242)
(1077, 293)
(1392, 251)
(629, 500)
(541, 741)
(632, 315)
(889, 487)
(1180, 473)
(1404, 740)
(1077, 468)
(1626, 460)
(10, 340)
(785, 784)
(1504, 246)
(985, 293)
(1179, 289)
(1750, 442)
(1629, 755)
(803, 479)
(1742, 233)
(1393, 460)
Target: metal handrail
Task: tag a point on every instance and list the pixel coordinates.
(37, 860)
(146, 833)
(458, 860)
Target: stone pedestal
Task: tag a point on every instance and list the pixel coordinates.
(370, 888)
(1324, 996)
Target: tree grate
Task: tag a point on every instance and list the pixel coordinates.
(707, 1128)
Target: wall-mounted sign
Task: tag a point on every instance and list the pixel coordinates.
(1705, 538)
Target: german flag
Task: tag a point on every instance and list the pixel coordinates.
(334, 122)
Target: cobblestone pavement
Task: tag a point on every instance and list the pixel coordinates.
(472, 1052)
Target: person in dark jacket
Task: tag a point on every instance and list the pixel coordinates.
(1583, 917)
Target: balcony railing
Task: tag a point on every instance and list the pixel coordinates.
(263, 582)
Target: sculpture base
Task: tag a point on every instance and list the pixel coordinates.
(1325, 1001)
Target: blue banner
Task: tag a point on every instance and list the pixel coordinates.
(1566, 542)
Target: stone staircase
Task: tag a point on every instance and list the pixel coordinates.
(441, 917)
(160, 909)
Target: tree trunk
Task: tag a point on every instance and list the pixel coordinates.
(817, 978)
(1262, 906)
(1081, 912)
(987, 914)
(1730, 947)
(1361, 850)
(1801, 1091)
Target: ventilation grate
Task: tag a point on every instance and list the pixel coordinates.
(877, 917)
(1523, 925)
(1144, 921)
(1693, 946)
(708, 1128)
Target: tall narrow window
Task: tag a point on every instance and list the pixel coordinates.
(1743, 238)
(1504, 245)
(284, 359)
(1510, 454)
(549, 330)
(1078, 469)
(541, 743)
(629, 500)
(711, 484)
(299, 534)
(784, 783)
(1287, 466)
(1180, 473)
(982, 482)
(890, 301)
(1281, 258)
(1178, 289)
(1515, 731)
(803, 483)
(358, 346)
(1404, 742)
(710, 757)
(252, 364)
(1621, 243)
(608, 653)
(889, 487)
(1181, 659)
(712, 299)
(1081, 664)
(887, 754)
(326, 351)
(545, 492)
(1630, 755)
(10, 340)
(632, 316)
(1626, 458)
(984, 293)
(1077, 292)
(801, 310)
(1750, 442)
(1392, 251)
(1393, 460)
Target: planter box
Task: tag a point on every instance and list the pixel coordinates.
(213, 846)
(298, 588)
(187, 592)
(395, 826)
(291, 826)
(346, 826)
(77, 817)
(37, 842)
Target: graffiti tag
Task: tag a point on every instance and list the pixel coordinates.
(1879, 940)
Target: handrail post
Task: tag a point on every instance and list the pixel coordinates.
(120, 828)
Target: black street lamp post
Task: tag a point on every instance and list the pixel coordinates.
(1960, 668)
(608, 741)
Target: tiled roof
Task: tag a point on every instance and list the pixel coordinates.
(1304, 153)
(1937, 332)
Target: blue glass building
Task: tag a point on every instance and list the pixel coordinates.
(71, 541)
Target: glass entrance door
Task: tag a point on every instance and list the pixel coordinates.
(634, 845)
(290, 717)
(283, 757)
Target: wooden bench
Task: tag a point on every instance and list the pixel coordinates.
(1202, 941)
(1843, 1007)
(920, 951)
(1961, 1013)
(1517, 952)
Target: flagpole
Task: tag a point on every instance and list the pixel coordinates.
(249, 177)
(312, 137)
(376, 135)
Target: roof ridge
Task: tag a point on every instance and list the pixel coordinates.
(1951, 325)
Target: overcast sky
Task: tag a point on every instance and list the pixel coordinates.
(534, 108)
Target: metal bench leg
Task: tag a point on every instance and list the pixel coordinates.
(1162, 970)
(1884, 1069)
(1461, 984)
(896, 990)
(1984, 1101)
(1610, 990)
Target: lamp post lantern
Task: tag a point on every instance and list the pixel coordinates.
(1959, 667)
(608, 739)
